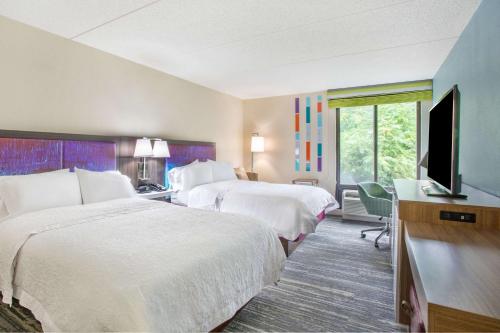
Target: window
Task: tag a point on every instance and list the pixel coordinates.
(396, 142)
(377, 143)
(357, 148)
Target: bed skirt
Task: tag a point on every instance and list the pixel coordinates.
(290, 245)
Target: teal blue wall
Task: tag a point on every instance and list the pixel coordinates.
(474, 65)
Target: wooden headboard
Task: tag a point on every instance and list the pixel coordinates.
(33, 152)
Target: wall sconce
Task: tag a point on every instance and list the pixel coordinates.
(257, 145)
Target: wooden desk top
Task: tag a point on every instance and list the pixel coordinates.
(458, 268)
(411, 190)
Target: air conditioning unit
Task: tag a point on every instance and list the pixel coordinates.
(353, 209)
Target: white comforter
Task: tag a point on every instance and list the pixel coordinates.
(290, 210)
(135, 265)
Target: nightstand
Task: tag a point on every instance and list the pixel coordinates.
(254, 176)
(306, 181)
(157, 195)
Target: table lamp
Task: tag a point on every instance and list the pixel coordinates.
(160, 149)
(143, 149)
(257, 145)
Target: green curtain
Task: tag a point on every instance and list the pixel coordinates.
(380, 94)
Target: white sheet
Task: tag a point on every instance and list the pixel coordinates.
(290, 210)
(135, 265)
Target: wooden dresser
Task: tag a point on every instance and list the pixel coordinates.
(453, 268)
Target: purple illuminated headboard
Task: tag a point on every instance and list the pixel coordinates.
(186, 152)
(20, 156)
(35, 152)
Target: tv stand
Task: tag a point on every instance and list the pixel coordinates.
(431, 243)
(432, 190)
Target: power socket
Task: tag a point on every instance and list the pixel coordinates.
(457, 216)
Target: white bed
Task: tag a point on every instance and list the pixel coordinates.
(135, 265)
(291, 210)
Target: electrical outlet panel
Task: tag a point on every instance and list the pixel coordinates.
(457, 216)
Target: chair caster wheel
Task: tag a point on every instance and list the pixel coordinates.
(363, 235)
(376, 245)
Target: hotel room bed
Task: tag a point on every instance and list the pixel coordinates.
(135, 265)
(291, 210)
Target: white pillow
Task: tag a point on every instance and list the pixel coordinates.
(175, 176)
(222, 171)
(196, 174)
(28, 193)
(103, 186)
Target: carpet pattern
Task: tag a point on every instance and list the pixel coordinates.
(334, 281)
(17, 319)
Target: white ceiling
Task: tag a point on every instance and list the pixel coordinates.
(258, 48)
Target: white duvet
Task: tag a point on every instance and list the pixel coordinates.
(135, 265)
(290, 210)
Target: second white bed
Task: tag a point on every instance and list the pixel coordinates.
(291, 210)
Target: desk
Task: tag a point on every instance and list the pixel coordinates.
(421, 215)
(456, 274)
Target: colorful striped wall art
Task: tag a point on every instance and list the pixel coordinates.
(308, 133)
(319, 108)
(297, 134)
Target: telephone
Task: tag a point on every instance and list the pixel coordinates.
(146, 188)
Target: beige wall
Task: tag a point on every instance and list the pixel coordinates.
(273, 118)
(51, 84)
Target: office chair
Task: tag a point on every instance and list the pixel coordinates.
(377, 201)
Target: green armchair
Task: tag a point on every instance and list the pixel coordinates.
(377, 201)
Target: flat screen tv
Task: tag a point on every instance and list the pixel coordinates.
(442, 159)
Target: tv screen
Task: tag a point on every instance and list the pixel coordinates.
(440, 164)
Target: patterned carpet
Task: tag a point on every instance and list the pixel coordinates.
(334, 281)
(17, 319)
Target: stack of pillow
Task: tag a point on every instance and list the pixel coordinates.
(198, 173)
(28, 193)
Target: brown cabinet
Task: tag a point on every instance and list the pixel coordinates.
(446, 272)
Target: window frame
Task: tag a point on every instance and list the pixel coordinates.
(341, 187)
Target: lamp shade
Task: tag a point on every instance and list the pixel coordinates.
(257, 144)
(160, 149)
(143, 148)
